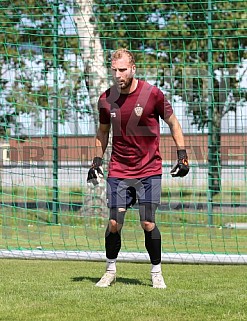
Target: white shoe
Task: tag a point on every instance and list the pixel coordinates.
(158, 281)
(106, 280)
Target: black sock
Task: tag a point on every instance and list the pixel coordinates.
(153, 245)
(112, 244)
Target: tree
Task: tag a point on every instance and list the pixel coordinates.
(26, 58)
(93, 56)
(174, 36)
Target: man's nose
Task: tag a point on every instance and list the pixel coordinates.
(118, 74)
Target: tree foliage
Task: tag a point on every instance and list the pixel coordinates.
(173, 35)
(26, 57)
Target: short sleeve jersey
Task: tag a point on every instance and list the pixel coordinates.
(135, 127)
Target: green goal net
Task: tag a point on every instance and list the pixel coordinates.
(54, 64)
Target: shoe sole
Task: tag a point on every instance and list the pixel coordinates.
(105, 285)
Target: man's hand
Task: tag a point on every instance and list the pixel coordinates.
(182, 168)
(95, 174)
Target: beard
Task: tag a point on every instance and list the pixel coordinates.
(124, 84)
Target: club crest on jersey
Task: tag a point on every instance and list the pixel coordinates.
(138, 110)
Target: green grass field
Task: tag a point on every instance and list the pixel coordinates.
(35, 290)
(182, 231)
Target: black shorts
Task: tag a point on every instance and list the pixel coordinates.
(123, 193)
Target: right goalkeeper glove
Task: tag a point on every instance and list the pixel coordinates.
(95, 173)
(181, 168)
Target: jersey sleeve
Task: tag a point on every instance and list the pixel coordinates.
(104, 111)
(163, 107)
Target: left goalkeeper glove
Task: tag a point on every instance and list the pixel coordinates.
(182, 168)
(95, 173)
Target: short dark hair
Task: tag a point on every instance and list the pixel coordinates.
(118, 54)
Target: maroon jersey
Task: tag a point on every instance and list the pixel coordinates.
(136, 131)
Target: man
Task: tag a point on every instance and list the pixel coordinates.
(133, 107)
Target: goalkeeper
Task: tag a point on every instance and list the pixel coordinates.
(133, 107)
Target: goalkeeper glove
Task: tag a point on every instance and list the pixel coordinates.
(95, 173)
(182, 168)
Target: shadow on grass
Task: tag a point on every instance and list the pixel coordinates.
(119, 280)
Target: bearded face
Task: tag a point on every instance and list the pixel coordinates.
(123, 73)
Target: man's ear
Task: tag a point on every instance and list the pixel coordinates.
(133, 69)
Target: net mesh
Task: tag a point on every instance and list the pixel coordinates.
(54, 65)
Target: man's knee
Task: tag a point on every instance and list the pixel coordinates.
(147, 226)
(114, 226)
(116, 219)
(147, 216)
